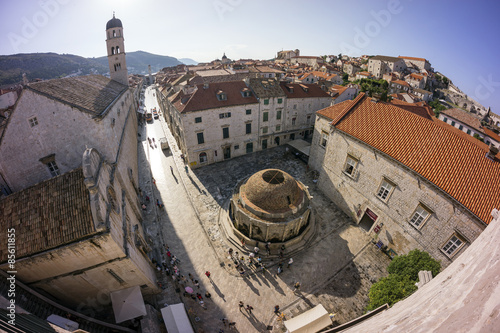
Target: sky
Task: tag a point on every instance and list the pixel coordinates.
(460, 38)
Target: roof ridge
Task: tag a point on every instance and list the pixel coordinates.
(348, 109)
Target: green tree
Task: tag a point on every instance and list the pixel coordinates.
(412, 263)
(390, 290)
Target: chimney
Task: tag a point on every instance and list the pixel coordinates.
(493, 152)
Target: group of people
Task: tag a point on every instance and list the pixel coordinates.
(152, 143)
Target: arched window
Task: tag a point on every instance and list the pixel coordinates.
(203, 158)
(117, 49)
(114, 33)
(112, 50)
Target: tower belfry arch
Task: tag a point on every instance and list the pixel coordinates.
(115, 45)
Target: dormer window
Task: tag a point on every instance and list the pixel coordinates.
(221, 96)
(245, 92)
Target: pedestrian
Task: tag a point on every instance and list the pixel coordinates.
(183, 278)
(143, 207)
(207, 273)
(187, 168)
(236, 254)
(280, 268)
(242, 271)
(281, 254)
(230, 252)
(208, 295)
(277, 310)
(197, 284)
(224, 321)
(268, 248)
(241, 305)
(283, 247)
(199, 296)
(290, 262)
(296, 286)
(169, 254)
(190, 277)
(171, 170)
(232, 325)
(203, 305)
(256, 249)
(242, 242)
(249, 309)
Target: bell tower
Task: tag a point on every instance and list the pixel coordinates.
(116, 51)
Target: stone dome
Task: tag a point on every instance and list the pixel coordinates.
(114, 23)
(272, 191)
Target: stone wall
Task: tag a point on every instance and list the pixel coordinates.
(355, 194)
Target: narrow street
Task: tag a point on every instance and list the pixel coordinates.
(188, 224)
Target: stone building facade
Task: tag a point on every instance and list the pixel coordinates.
(380, 65)
(55, 120)
(216, 121)
(405, 186)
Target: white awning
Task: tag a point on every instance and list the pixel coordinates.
(127, 304)
(310, 321)
(176, 319)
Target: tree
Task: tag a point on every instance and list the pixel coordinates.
(390, 290)
(402, 279)
(412, 263)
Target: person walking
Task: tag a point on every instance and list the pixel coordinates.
(171, 170)
(296, 286)
(290, 262)
(241, 305)
(277, 310)
(207, 273)
(268, 248)
(197, 284)
(249, 308)
(280, 268)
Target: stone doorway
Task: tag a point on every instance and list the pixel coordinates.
(367, 221)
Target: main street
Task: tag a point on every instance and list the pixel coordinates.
(339, 267)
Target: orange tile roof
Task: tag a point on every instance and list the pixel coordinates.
(421, 109)
(413, 58)
(456, 165)
(491, 134)
(403, 83)
(333, 111)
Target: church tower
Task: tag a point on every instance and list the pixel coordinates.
(116, 51)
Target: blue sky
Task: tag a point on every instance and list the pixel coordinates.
(459, 38)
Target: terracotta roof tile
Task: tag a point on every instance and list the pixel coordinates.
(46, 215)
(421, 109)
(456, 165)
(206, 98)
(491, 134)
(332, 112)
(89, 93)
(402, 83)
(413, 58)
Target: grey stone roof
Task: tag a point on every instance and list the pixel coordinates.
(386, 58)
(90, 93)
(266, 88)
(49, 214)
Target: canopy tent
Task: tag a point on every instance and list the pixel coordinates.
(176, 319)
(310, 321)
(127, 304)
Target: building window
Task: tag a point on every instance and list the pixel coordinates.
(264, 130)
(225, 132)
(265, 116)
(203, 158)
(460, 127)
(280, 100)
(295, 106)
(468, 131)
(445, 119)
(350, 165)
(249, 111)
(236, 147)
(308, 119)
(197, 120)
(453, 123)
(324, 139)
(248, 128)
(385, 190)
(33, 121)
(200, 138)
(293, 120)
(419, 216)
(266, 101)
(278, 114)
(221, 96)
(249, 147)
(264, 144)
(452, 245)
(224, 115)
(278, 128)
(53, 168)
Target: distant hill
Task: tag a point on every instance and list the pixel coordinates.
(52, 65)
(45, 66)
(138, 61)
(188, 61)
